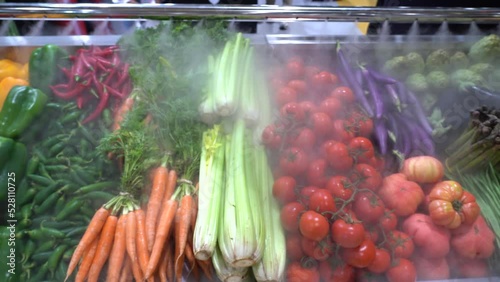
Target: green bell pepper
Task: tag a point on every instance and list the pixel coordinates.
(12, 169)
(10, 268)
(22, 106)
(44, 66)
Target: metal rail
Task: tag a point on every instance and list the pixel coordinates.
(33, 11)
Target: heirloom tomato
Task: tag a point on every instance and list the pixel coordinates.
(400, 195)
(423, 169)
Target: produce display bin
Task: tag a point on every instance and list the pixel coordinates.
(249, 143)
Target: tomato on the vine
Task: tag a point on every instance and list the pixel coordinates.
(293, 247)
(309, 108)
(292, 112)
(382, 261)
(361, 149)
(320, 123)
(290, 214)
(324, 79)
(344, 94)
(306, 192)
(304, 138)
(286, 95)
(403, 270)
(313, 226)
(332, 107)
(271, 136)
(340, 187)
(365, 176)
(293, 161)
(372, 233)
(388, 221)
(340, 131)
(337, 155)
(336, 271)
(295, 272)
(295, 68)
(348, 233)
(361, 256)
(320, 251)
(322, 201)
(361, 124)
(310, 72)
(284, 189)
(400, 243)
(299, 85)
(368, 207)
(317, 172)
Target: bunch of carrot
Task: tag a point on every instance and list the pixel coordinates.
(137, 243)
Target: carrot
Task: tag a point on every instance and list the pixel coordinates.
(162, 268)
(182, 223)
(192, 262)
(137, 272)
(170, 262)
(87, 258)
(142, 245)
(206, 267)
(122, 112)
(171, 184)
(162, 233)
(103, 248)
(93, 230)
(154, 203)
(126, 271)
(118, 251)
(131, 235)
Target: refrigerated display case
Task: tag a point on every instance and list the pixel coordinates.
(281, 142)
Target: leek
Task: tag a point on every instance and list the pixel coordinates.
(210, 192)
(226, 272)
(272, 265)
(239, 233)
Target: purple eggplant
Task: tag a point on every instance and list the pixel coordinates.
(381, 135)
(394, 96)
(419, 112)
(349, 76)
(382, 78)
(376, 96)
(402, 92)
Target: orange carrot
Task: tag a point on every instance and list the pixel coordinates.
(162, 268)
(193, 267)
(122, 112)
(103, 248)
(182, 223)
(170, 261)
(126, 271)
(88, 256)
(171, 184)
(154, 203)
(118, 251)
(206, 267)
(162, 234)
(142, 245)
(93, 230)
(131, 235)
(137, 272)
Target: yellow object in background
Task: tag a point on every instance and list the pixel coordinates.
(6, 85)
(12, 69)
(359, 3)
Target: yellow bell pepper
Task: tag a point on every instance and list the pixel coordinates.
(11, 68)
(24, 72)
(6, 84)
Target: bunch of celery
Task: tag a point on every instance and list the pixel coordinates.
(235, 174)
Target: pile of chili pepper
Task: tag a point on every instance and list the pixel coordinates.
(96, 77)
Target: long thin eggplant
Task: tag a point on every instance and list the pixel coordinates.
(375, 94)
(382, 78)
(381, 135)
(402, 92)
(356, 87)
(404, 138)
(419, 112)
(394, 96)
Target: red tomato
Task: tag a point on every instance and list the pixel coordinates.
(332, 272)
(320, 251)
(295, 68)
(348, 234)
(320, 123)
(305, 139)
(361, 256)
(341, 131)
(306, 192)
(299, 86)
(340, 187)
(363, 275)
(322, 201)
(286, 95)
(295, 272)
(311, 71)
(309, 108)
(284, 189)
(368, 207)
(292, 113)
(332, 107)
(317, 173)
(382, 261)
(377, 162)
(271, 137)
(344, 94)
(402, 270)
(366, 177)
(290, 214)
(372, 233)
(293, 247)
(324, 79)
(388, 221)
(313, 226)
(400, 195)
(400, 243)
(361, 149)
(293, 161)
(361, 124)
(324, 147)
(337, 155)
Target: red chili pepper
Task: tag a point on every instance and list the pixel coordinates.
(124, 76)
(106, 52)
(79, 101)
(115, 60)
(110, 76)
(113, 92)
(103, 102)
(85, 62)
(66, 71)
(104, 62)
(68, 94)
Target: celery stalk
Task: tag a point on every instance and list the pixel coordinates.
(225, 272)
(208, 113)
(210, 192)
(237, 235)
(272, 265)
(224, 103)
(248, 102)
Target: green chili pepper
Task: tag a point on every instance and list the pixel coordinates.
(57, 148)
(98, 196)
(56, 257)
(26, 197)
(45, 246)
(22, 105)
(96, 187)
(41, 180)
(44, 66)
(33, 165)
(48, 203)
(41, 273)
(73, 206)
(43, 256)
(59, 224)
(60, 204)
(43, 233)
(45, 192)
(76, 231)
(26, 211)
(29, 250)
